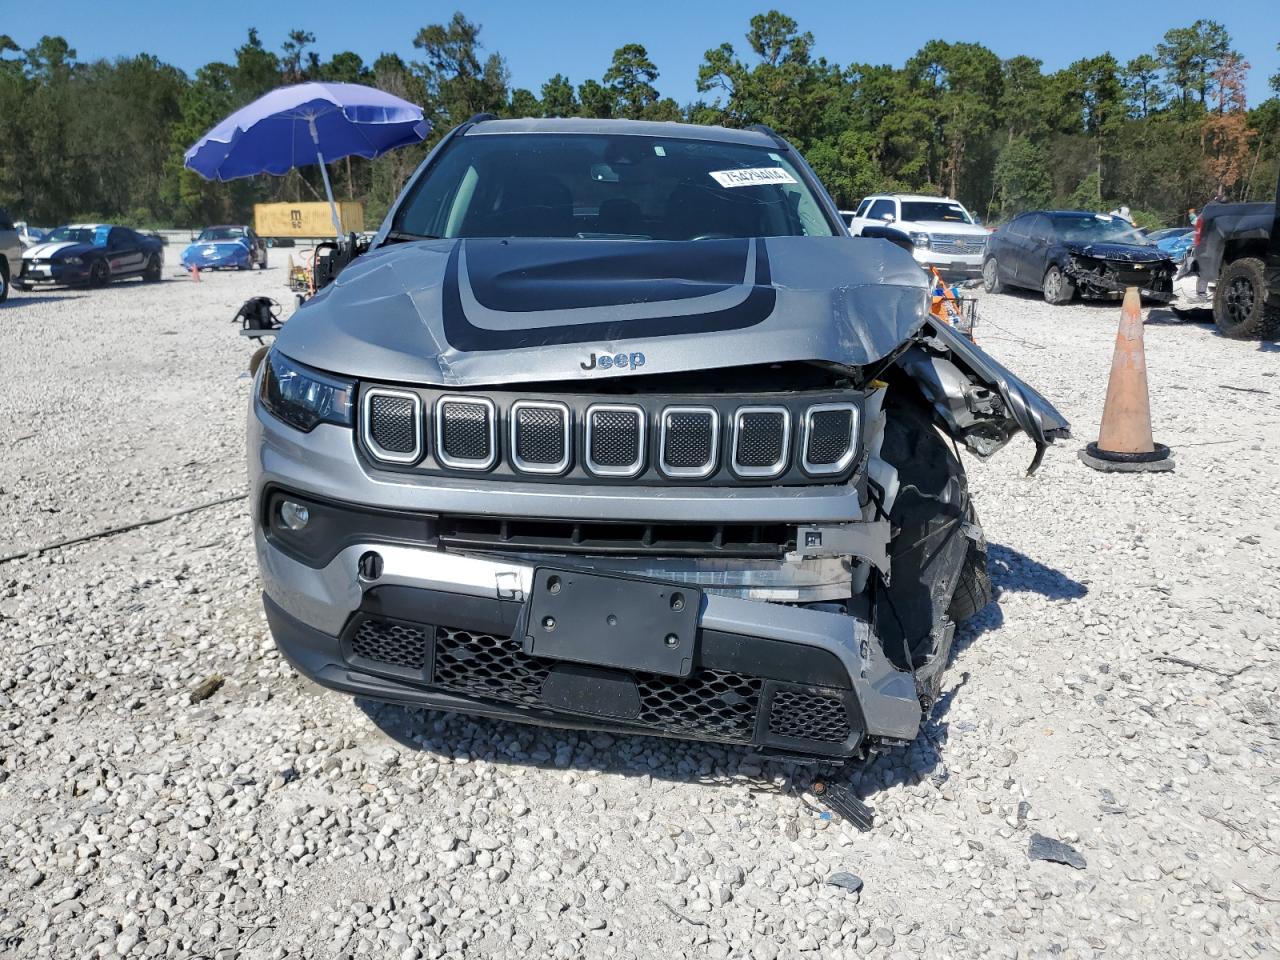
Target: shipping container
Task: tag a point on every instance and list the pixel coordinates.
(306, 221)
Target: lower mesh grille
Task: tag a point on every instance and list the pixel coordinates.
(803, 715)
(398, 644)
(709, 703)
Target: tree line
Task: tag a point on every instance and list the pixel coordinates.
(1162, 133)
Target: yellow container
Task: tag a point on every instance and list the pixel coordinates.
(306, 221)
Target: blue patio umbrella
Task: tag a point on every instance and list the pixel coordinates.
(303, 124)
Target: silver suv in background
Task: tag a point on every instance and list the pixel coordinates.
(10, 253)
(942, 232)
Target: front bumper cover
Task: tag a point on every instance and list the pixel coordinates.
(441, 630)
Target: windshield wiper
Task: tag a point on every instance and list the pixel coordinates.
(399, 236)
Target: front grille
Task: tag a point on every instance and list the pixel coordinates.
(689, 441)
(789, 439)
(803, 715)
(714, 704)
(957, 243)
(465, 432)
(829, 437)
(615, 440)
(386, 641)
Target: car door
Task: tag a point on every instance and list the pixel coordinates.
(1035, 256)
(124, 252)
(1007, 247)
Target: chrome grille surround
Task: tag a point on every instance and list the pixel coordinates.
(670, 431)
(822, 467)
(490, 422)
(566, 433)
(366, 425)
(784, 446)
(614, 470)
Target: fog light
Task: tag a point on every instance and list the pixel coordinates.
(294, 515)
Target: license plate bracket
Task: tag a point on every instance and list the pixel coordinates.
(610, 621)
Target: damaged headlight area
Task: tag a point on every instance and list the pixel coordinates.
(1098, 277)
(302, 397)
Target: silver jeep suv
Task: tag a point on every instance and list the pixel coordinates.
(615, 427)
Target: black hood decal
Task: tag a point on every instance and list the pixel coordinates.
(498, 295)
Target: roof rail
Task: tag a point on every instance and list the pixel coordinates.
(771, 133)
(480, 118)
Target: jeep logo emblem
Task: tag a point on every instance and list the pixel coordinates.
(621, 361)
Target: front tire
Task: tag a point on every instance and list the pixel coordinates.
(991, 276)
(1240, 308)
(935, 565)
(4, 281)
(152, 273)
(99, 274)
(1057, 288)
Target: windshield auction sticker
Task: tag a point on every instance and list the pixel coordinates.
(752, 177)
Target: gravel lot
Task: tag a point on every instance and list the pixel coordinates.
(1120, 696)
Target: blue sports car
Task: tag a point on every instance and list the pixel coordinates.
(1175, 241)
(92, 254)
(225, 247)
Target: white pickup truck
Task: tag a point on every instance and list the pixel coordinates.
(942, 232)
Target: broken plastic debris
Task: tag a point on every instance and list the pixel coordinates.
(846, 881)
(1055, 851)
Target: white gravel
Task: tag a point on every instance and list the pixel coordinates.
(275, 819)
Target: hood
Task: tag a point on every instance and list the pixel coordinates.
(45, 251)
(1124, 252)
(489, 311)
(950, 226)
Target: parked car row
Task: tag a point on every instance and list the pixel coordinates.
(94, 254)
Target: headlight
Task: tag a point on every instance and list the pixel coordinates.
(920, 239)
(303, 397)
(74, 261)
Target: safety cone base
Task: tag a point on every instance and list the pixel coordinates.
(1156, 461)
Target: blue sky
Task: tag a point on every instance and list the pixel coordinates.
(541, 37)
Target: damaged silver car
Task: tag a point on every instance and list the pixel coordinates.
(615, 427)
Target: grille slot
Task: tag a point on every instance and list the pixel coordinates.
(712, 704)
(762, 436)
(615, 440)
(391, 423)
(465, 432)
(386, 641)
(829, 437)
(539, 436)
(690, 436)
(807, 715)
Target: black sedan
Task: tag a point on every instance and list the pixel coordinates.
(1065, 252)
(92, 254)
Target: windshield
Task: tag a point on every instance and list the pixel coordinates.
(220, 233)
(72, 235)
(598, 186)
(1097, 228)
(941, 210)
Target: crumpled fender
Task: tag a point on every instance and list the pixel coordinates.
(977, 400)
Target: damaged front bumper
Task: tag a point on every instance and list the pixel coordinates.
(419, 626)
(1098, 278)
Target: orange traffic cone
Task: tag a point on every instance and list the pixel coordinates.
(195, 273)
(1124, 440)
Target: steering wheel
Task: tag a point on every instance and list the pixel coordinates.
(713, 236)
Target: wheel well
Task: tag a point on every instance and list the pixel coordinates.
(1239, 249)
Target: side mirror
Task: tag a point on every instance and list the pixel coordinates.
(888, 217)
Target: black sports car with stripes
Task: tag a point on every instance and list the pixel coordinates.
(615, 427)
